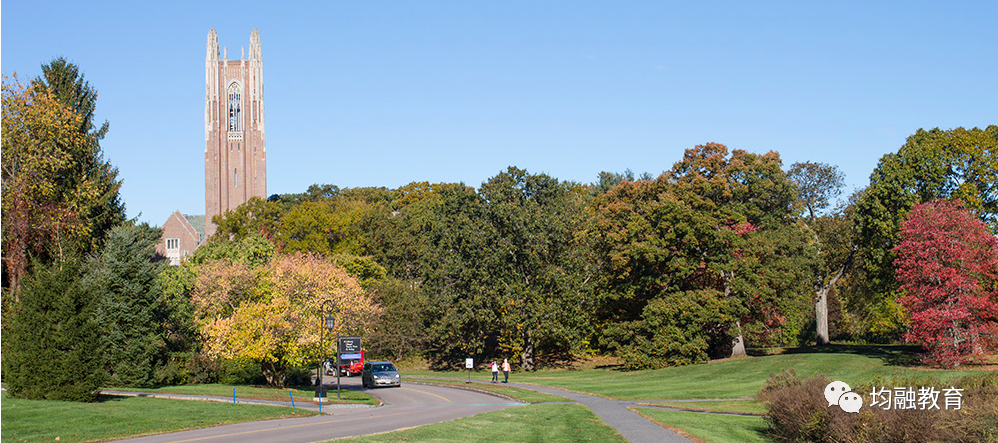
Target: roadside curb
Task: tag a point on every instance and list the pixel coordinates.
(306, 404)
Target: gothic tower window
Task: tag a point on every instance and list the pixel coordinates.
(235, 108)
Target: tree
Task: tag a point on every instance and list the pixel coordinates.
(401, 329)
(51, 338)
(253, 249)
(538, 264)
(500, 272)
(38, 135)
(958, 163)
(124, 278)
(330, 226)
(102, 209)
(57, 187)
(185, 361)
(439, 244)
(270, 314)
(63, 79)
(256, 216)
(947, 266)
(817, 185)
(714, 226)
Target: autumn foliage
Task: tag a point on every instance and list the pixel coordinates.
(947, 265)
(270, 314)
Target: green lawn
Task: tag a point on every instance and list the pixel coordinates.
(260, 393)
(534, 423)
(524, 395)
(710, 427)
(732, 378)
(736, 378)
(121, 417)
(738, 406)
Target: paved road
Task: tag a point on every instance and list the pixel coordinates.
(405, 407)
(634, 428)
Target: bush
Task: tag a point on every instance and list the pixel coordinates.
(187, 368)
(241, 372)
(51, 341)
(123, 277)
(299, 377)
(677, 329)
(798, 412)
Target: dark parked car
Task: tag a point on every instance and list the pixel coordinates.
(380, 373)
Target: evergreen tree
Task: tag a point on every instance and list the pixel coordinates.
(123, 276)
(52, 341)
(102, 209)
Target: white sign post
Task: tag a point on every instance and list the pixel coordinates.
(470, 364)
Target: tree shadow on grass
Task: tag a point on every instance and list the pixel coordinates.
(892, 355)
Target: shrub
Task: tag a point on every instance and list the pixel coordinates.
(677, 329)
(123, 277)
(187, 368)
(241, 372)
(51, 342)
(798, 412)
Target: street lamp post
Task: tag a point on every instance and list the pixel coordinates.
(329, 322)
(330, 325)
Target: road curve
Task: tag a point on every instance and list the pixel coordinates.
(405, 407)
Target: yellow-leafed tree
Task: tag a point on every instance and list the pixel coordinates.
(272, 314)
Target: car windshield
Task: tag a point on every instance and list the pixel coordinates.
(382, 368)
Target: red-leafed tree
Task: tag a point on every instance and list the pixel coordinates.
(947, 265)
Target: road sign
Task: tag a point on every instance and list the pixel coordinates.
(349, 345)
(469, 363)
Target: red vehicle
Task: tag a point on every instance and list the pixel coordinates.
(355, 367)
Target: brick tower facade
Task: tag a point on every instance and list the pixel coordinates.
(235, 155)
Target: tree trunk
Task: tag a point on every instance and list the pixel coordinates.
(528, 353)
(738, 344)
(821, 318)
(273, 373)
(821, 304)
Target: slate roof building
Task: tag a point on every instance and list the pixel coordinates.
(182, 234)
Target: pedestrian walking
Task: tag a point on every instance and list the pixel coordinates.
(505, 370)
(495, 372)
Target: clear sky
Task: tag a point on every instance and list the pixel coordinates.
(386, 93)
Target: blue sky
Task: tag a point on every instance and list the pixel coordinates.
(386, 93)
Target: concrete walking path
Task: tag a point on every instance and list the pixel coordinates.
(634, 428)
(615, 413)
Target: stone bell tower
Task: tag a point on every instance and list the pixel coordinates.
(235, 155)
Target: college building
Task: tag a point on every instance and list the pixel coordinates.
(235, 153)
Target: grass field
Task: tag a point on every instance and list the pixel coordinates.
(731, 378)
(524, 395)
(710, 428)
(115, 418)
(260, 393)
(120, 417)
(737, 406)
(534, 423)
